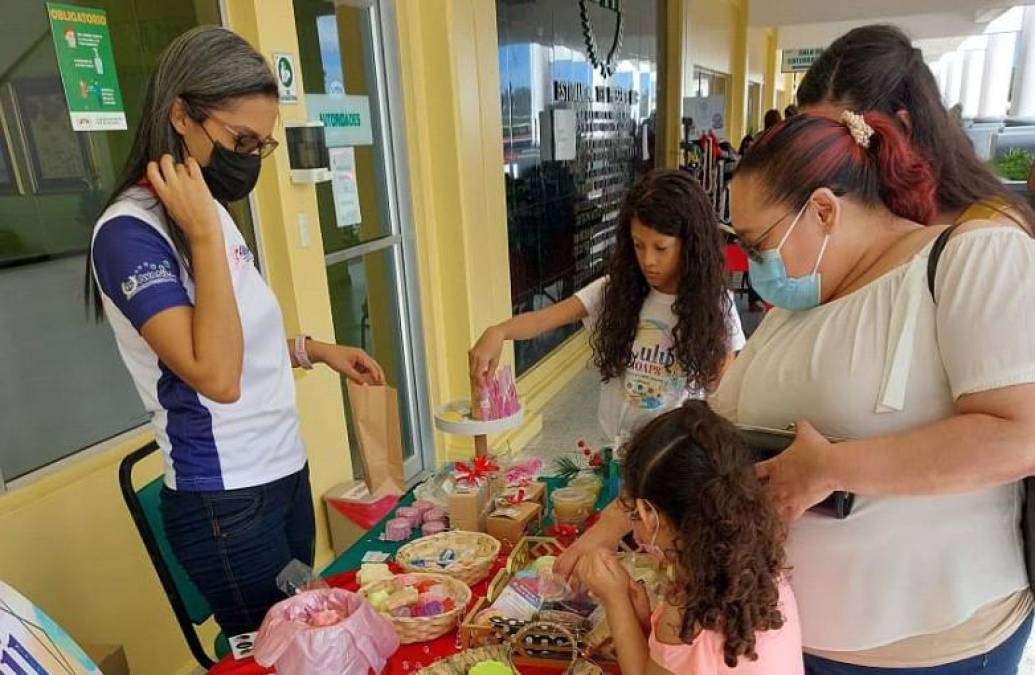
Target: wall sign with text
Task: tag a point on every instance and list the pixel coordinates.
(799, 60)
(82, 44)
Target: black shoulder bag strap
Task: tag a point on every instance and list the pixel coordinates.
(1028, 510)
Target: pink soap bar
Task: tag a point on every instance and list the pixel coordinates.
(423, 505)
(398, 529)
(433, 527)
(434, 513)
(409, 513)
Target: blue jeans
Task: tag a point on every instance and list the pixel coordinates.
(234, 543)
(1003, 660)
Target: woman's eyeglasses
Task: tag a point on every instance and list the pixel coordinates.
(752, 250)
(246, 143)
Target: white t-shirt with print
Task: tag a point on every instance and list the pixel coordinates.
(653, 383)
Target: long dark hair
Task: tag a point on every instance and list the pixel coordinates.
(671, 203)
(807, 152)
(206, 68)
(691, 465)
(876, 67)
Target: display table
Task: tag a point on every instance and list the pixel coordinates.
(342, 574)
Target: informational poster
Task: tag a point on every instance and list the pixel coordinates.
(287, 83)
(708, 114)
(87, 64)
(346, 119)
(345, 187)
(30, 641)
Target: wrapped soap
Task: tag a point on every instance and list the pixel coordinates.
(401, 598)
(398, 529)
(402, 612)
(433, 514)
(378, 599)
(409, 513)
(432, 527)
(371, 572)
(423, 506)
(431, 608)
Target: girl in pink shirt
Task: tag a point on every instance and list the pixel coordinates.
(695, 502)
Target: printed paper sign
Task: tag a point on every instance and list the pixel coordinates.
(344, 186)
(287, 82)
(346, 119)
(87, 64)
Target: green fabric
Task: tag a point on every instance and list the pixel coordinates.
(196, 605)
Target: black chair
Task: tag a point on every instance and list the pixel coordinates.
(188, 605)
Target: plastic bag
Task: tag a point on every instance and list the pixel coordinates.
(297, 577)
(325, 632)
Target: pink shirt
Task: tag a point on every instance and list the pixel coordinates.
(779, 651)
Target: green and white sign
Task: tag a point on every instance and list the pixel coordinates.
(287, 83)
(346, 119)
(87, 64)
(799, 60)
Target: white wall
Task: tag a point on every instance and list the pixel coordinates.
(712, 26)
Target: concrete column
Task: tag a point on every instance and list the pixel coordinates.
(1023, 99)
(973, 69)
(995, 81)
(954, 79)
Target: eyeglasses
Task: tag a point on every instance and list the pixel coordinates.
(752, 250)
(245, 143)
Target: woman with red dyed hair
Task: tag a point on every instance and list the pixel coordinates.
(934, 386)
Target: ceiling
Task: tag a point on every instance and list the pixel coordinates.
(816, 23)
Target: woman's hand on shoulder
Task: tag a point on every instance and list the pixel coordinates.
(186, 197)
(799, 477)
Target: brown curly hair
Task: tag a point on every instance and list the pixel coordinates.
(691, 465)
(671, 203)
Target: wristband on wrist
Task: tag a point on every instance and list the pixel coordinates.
(301, 353)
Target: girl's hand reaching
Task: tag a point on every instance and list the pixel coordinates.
(603, 574)
(485, 355)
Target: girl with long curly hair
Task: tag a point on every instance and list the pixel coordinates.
(663, 325)
(696, 503)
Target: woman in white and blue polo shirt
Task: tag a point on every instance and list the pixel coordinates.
(200, 331)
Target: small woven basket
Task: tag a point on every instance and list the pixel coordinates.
(424, 628)
(475, 554)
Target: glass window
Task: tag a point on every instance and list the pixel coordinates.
(64, 385)
(563, 202)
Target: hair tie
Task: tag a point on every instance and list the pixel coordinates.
(857, 126)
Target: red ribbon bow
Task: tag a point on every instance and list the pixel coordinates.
(516, 498)
(483, 466)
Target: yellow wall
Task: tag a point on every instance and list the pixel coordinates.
(713, 26)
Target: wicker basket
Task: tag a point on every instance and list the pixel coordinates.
(424, 628)
(476, 553)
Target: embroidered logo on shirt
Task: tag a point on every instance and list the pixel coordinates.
(241, 255)
(147, 275)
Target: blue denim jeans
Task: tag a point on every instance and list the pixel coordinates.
(234, 543)
(1003, 660)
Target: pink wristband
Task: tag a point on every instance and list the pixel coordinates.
(301, 353)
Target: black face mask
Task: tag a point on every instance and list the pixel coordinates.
(231, 175)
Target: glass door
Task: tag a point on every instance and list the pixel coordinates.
(348, 60)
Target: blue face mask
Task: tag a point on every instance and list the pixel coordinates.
(769, 277)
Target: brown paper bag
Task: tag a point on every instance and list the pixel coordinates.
(375, 419)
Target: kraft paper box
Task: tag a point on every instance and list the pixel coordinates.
(509, 524)
(109, 659)
(352, 511)
(469, 506)
(534, 492)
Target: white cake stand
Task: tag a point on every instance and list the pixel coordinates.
(467, 426)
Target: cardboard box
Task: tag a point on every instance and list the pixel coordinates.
(109, 659)
(469, 506)
(511, 523)
(352, 511)
(534, 492)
